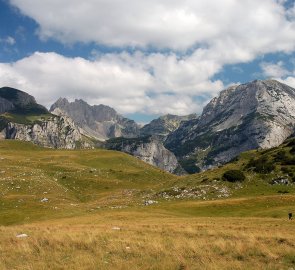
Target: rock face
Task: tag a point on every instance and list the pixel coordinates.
(148, 149)
(16, 101)
(55, 132)
(5, 105)
(99, 121)
(23, 119)
(164, 125)
(259, 114)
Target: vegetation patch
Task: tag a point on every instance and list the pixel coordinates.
(233, 176)
(261, 165)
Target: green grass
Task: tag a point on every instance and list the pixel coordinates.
(85, 177)
(78, 181)
(92, 191)
(26, 119)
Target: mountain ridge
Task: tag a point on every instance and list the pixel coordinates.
(258, 114)
(99, 121)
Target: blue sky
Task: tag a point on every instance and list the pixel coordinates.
(158, 57)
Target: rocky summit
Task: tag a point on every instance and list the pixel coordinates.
(16, 101)
(259, 114)
(99, 121)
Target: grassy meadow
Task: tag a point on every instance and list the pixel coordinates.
(85, 209)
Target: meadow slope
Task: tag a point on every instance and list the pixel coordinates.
(85, 209)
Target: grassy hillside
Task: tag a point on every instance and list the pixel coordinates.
(95, 217)
(74, 182)
(266, 172)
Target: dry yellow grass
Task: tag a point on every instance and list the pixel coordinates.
(149, 240)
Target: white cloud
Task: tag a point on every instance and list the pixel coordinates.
(231, 27)
(274, 70)
(7, 40)
(152, 84)
(202, 36)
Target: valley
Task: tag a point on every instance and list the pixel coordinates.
(102, 209)
(207, 192)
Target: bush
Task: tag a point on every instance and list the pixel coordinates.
(280, 156)
(233, 176)
(291, 142)
(261, 165)
(289, 161)
(189, 165)
(292, 150)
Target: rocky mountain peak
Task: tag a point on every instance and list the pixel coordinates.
(99, 121)
(259, 114)
(17, 101)
(17, 97)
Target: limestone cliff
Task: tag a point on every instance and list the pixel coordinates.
(21, 118)
(99, 121)
(259, 114)
(148, 149)
(55, 132)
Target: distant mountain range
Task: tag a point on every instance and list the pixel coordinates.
(259, 114)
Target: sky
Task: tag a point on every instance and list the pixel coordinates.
(144, 58)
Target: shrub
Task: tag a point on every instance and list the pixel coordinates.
(291, 142)
(189, 165)
(289, 161)
(233, 176)
(292, 150)
(261, 165)
(280, 156)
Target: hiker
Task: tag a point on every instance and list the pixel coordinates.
(290, 216)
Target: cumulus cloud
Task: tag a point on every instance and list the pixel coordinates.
(248, 27)
(289, 81)
(274, 70)
(129, 82)
(176, 49)
(278, 72)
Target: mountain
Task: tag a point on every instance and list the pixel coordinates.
(149, 149)
(99, 121)
(165, 124)
(259, 114)
(16, 101)
(22, 118)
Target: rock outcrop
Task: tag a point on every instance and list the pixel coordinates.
(165, 124)
(99, 121)
(259, 114)
(148, 149)
(55, 132)
(22, 118)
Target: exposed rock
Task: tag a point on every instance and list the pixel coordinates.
(148, 149)
(17, 101)
(260, 114)
(98, 121)
(5, 105)
(23, 119)
(150, 202)
(22, 235)
(55, 132)
(164, 125)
